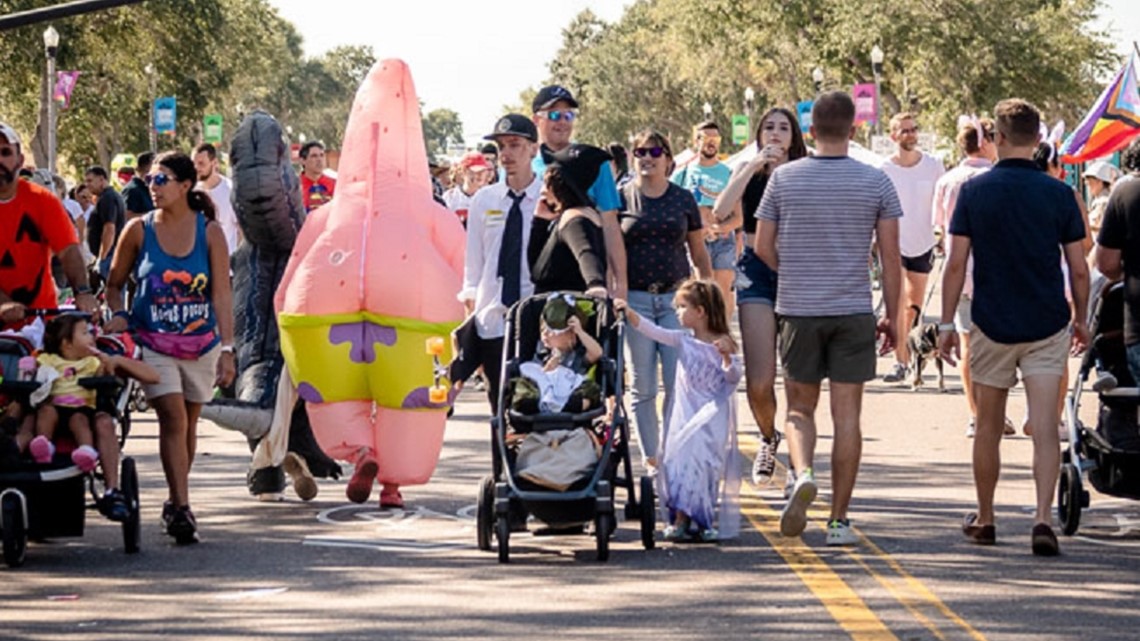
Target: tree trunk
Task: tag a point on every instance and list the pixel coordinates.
(39, 141)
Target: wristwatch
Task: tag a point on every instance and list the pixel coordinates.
(946, 327)
(82, 289)
(227, 349)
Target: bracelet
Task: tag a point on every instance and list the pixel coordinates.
(227, 349)
(83, 289)
(123, 314)
(946, 327)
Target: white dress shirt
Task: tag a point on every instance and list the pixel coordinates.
(486, 222)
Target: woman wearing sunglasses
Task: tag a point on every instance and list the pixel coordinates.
(778, 140)
(181, 312)
(661, 227)
(566, 250)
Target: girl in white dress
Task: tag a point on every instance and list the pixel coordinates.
(698, 477)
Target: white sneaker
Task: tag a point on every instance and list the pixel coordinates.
(897, 374)
(839, 532)
(789, 483)
(793, 519)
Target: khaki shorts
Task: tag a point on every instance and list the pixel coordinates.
(194, 380)
(840, 348)
(996, 364)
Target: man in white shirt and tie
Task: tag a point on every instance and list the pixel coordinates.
(496, 274)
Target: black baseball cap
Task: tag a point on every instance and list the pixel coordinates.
(551, 94)
(514, 125)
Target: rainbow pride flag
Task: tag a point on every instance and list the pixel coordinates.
(1113, 122)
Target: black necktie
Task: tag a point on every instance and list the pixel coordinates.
(510, 252)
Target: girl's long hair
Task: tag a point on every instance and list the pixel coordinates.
(797, 148)
(182, 166)
(706, 294)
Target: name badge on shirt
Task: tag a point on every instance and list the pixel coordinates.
(494, 217)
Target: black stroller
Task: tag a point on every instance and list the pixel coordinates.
(49, 500)
(506, 498)
(1108, 456)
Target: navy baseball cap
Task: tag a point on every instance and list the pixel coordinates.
(514, 125)
(551, 94)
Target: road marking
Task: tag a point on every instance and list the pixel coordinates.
(853, 614)
(383, 545)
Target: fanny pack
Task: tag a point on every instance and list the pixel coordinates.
(178, 346)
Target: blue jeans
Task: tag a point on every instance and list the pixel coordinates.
(1133, 353)
(644, 356)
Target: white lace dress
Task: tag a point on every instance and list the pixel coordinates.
(698, 470)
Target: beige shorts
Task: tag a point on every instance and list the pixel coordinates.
(194, 380)
(996, 364)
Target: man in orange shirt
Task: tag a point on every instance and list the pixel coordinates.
(33, 226)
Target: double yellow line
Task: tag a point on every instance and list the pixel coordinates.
(843, 603)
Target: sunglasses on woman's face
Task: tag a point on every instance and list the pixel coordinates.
(569, 115)
(655, 152)
(159, 179)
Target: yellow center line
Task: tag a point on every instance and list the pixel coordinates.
(827, 585)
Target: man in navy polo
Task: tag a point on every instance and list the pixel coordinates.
(1017, 222)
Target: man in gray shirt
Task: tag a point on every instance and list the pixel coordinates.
(822, 211)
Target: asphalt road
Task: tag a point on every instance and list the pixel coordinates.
(335, 570)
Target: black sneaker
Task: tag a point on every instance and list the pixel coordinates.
(114, 506)
(167, 515)
(183, 526)
(764, 465)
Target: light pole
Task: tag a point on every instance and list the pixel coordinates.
(817, 78)
(151, 135)
(51, 45)
(877, 68)
(707, 110)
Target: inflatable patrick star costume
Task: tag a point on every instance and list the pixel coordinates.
(367, 302)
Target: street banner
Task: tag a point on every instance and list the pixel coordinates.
(64, 85)
(739, 129)
(1113, 122)
(864, 97)
(803, 112)
(165, 115)
(212, 129)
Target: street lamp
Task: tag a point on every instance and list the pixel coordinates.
(749, 100)
(152, 136)
(817, 78)
(877, 68)
(707, 109)
(51, 45)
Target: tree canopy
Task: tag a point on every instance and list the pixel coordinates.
(663, 59)
(214, 56)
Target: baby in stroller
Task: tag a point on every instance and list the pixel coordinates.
(70, 355)
(558, 380)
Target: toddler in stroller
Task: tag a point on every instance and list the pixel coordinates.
(558, 380)
(70, 355)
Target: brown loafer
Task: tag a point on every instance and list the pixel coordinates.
(1044, 541)
(978, 534)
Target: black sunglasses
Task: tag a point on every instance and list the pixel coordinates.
(642, 152)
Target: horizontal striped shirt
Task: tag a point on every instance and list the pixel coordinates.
(826, 209)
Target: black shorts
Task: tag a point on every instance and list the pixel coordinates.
(923, 264)
(65, 414)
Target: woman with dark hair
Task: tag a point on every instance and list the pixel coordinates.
(661, 226)
(778, 140)
(566, 251)
(181, 312)
(620, 164)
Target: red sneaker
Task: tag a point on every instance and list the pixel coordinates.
(360, 485)
(390, 497)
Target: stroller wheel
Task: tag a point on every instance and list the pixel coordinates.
(1069, 499)
(132, 527)
(503, 532)
(603, 525)
(485, 513)
(14, 528)
(648, 514)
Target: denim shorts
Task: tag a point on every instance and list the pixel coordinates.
(755, 281)
(722, 252)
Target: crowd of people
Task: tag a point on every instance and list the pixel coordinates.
(781, 243)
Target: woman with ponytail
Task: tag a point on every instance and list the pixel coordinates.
(182, 315)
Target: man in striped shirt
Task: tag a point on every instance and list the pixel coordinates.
(822, 212)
